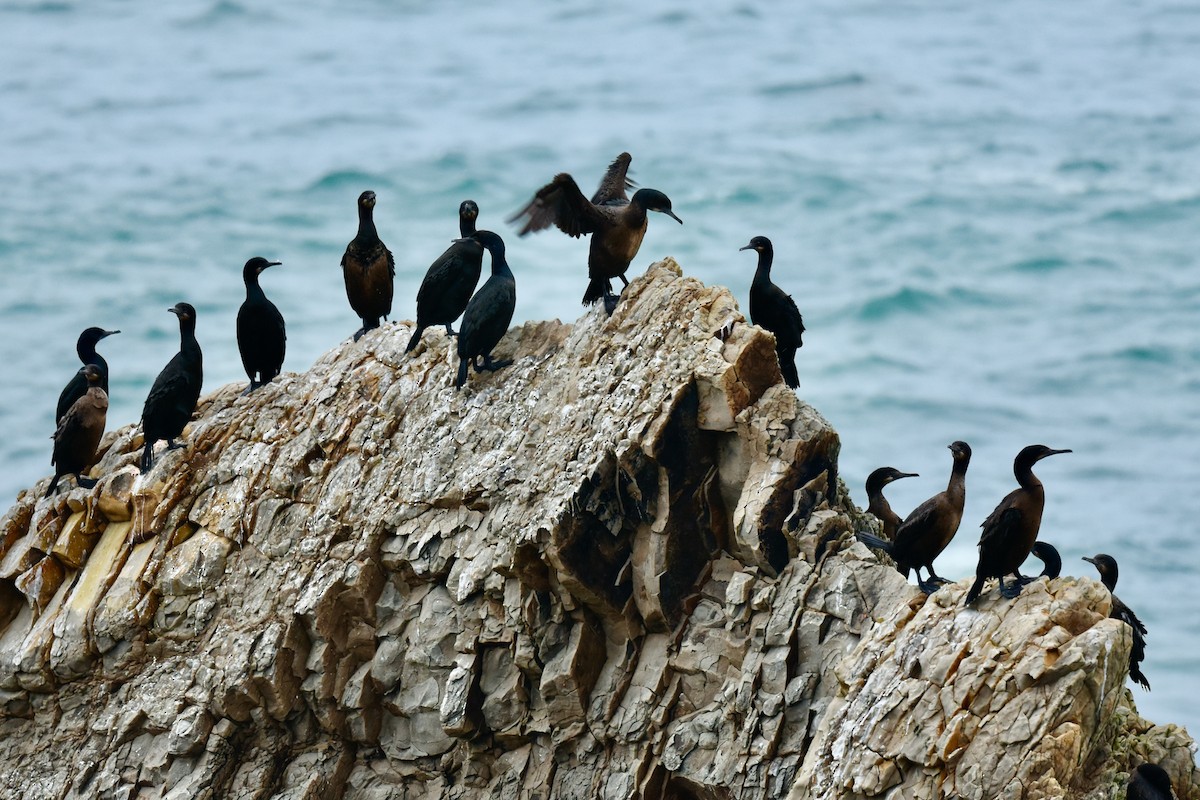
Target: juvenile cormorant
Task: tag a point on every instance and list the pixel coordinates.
(1106, 565)
(173, 396)
(616, 222)
(774, 309)
(261, 336)
(1149, 782)
(487, 316)
(79, 431)
(878, 505)
(78, 385)
(924, 533)
(1011, 529)
(1048, 555)
(450, 279)
(368, 268)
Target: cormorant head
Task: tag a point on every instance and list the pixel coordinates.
(184, 311)
(366, 199)
(491, 242)
(1034, 453)
(93, 374)
(89, 338)
(654, 200)
(883, 476)
(468, 210)
(1106, 565)
(961, 451)
(1048, 555)
(760, 244)
(1157, 777)
(255, 266)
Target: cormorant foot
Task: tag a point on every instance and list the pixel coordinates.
(250, 388)
(492, 366)
(1010, 590)
(930, 586)
(450, 331)
(610, 303)
(1025, 580)
(358, 334)
(174, 445)
(86, 483)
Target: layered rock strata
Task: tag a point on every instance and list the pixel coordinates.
(589, 575)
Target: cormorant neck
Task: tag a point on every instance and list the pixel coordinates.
(635, 213)
(1109, 578)
(1025, 476)
(957, 487)
(253, 289)
(366, 222)
(500, 264)
(466, 226)
(86, 350)
(187, 338)
(765, 259)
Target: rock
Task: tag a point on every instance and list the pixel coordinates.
(590, 574)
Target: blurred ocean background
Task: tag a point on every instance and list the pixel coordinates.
(989, 215)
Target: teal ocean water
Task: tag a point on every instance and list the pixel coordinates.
(988, 215)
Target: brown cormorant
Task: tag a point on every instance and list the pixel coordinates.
(925, 532)
(1149, 782)
(1051, 560)
(878, 505)
(1106, 565)
(78, 385)
(79, 431)
(368, 268)
(450, 279)
(616, 222)
(775, 310)
(1011, 529)
(487, 316)
(176, 390)
(261, 335)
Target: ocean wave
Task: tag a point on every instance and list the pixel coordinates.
(814, 85)
(341, 179)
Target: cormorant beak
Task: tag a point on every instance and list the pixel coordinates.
(671, 214)
(908, 475)
(109, 333)
(274, 263)
(174, 311)
(747, 247)
(1054, 453)
(1090, 560)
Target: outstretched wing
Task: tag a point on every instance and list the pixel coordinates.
(615, 182)
(561, 203)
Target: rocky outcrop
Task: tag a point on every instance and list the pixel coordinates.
(591, 574)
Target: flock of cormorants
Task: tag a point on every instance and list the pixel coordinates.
(617, 224)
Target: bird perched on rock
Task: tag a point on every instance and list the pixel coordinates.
(924, 533)
(1051, 560)
(369, 269)
(79, 431)
(78, 385)
(1011, 529)
(1106, 565)
(878, 505)
(775, 310)
(616, 222)
(261, 334)
(1149, 782)
(450, 279)
(176, 390)
(487, 316)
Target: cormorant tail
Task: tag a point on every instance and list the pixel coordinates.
(871, 540)
(54, 485)
(597, 288)
(787, 365)
(1139, 678)
(976, 589)
(462, 373)
(416, 337)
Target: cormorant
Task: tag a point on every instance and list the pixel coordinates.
(79, 431)
(261, 336)
(1048, 555)
(924, 533)
(1011, 529)
(617, 223)
(368, 268)
(1106, 565)
(878, 505)
(1149, 782)
(487, 316)
(775, 310)
(78, 385)
(176, 390)
(450, 279)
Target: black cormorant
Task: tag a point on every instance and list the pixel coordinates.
(79, 431)
(78, 385)
(368, 268)
(878, 505)
(775, 310)
(1149, 782)
(1106, 565)
(1011, 529)
(616, 222)
(261, 336)
(450, 279)
(487, 316)
(176, 390)
(924, 533)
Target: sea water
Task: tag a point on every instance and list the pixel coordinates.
(987, 213)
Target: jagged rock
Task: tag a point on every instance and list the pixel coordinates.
(591, 574)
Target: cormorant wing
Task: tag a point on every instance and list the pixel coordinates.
(75, 389)
(920, 519)
(466, 254)
(615, 182)
(561, 203)
(171, 385)
(1002, 526)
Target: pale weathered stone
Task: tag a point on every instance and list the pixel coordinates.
(588, 575)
